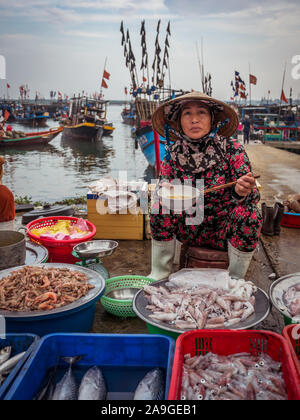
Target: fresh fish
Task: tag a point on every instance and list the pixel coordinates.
(67, 388)
(7, 366)
(4, 354)
(93, 386)
(151, 387)
(47, 391)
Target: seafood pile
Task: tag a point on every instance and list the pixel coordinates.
(7, 363)
(190, 305)
(292, 300)
(93, 385)
(234, 377)
(41, 288)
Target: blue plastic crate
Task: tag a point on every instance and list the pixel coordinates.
(124, 360)
(19, 344)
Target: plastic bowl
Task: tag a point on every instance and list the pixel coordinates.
(117, 289)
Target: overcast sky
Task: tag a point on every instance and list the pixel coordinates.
(62, 45)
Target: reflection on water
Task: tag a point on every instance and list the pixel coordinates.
(86, 155)
(64, 168)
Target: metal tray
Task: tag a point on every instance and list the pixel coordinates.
(262, 310)
(35, 253)
(279, 288)
(94, 278)
(95, 249)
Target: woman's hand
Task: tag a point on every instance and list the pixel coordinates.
(245, 185)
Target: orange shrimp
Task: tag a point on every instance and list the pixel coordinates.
(47, 296)
(45, 306)
(46, 282)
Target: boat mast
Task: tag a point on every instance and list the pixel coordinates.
(282, 87)
(250, 84)
(102, 77)
(200, 67)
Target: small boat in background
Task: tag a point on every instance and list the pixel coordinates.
(129, 114)
(29, 139)
(87, 118)
(32, 116)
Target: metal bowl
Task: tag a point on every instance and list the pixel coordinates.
(95, 249)
(120, 292)
(262, 310)
(123, 294)
(277, 292)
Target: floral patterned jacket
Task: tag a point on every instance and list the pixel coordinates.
(217, 204)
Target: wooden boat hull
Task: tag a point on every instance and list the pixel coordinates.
(108, 129)
(145, 138)
(84, 131)
(128, 119)
(33, 122)
(40, 138)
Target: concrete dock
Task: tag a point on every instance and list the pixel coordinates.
(280, 176)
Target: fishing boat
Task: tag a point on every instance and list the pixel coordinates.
(129, 114)
(87, 118)
(146, 141)
(147, 97)
(32, 117)
(29, 139)
(108, 129)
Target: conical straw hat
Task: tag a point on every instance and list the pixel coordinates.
(221, 110)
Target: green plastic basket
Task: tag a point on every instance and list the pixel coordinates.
(122, 308)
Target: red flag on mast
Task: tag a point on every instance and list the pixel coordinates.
(106, 75)
(253, 79)
(103, 84)
(283, 97)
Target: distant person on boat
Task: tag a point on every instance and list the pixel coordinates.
(247, 127)
(7, 203)
(201, 128)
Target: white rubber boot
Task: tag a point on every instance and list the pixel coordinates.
(239, 262)
(162, 259)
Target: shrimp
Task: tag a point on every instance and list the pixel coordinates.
(46, 282)
(46, 296)
(45, 306)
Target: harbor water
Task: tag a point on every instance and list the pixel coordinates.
(65, 167)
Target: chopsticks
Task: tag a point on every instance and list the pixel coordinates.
(221, 187)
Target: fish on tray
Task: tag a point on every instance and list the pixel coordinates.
(5, 354)
(67, 388)
(292, 300)
(151, 387)
(201, 306)
(93, 386)
(235, 377)
(7, 363)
